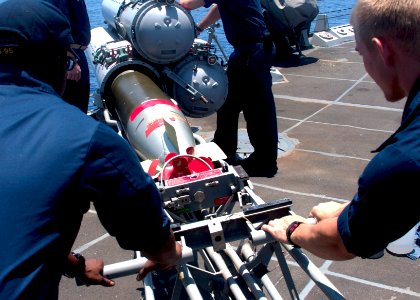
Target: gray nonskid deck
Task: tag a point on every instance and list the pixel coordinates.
(336, 115)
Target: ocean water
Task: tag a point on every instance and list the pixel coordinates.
(338, 12)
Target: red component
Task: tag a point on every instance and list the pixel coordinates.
(197, 165)
(221, 200)
(184, 165)
(152, 167)
(153, 125)
(150, 103)
(193, 177)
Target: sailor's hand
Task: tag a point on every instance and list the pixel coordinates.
(277, 227)
(198, 30)
(168, 262)
(94, 273)
(150, 266)
(75, 73)
(327, 210)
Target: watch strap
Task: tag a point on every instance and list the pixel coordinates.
(76, 270)
(290, 229)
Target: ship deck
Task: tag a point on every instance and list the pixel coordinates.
(335, 115)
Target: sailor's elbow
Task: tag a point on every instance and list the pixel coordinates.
(342, 253)
(345, 256)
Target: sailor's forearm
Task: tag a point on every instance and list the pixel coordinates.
(168, 254)
(212, 17)
(322, 239)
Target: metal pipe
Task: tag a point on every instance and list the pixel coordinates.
(124, 268)
(244, 272)
(249, 255)
(259, 237)
(132, 266)
(148, 287)
(233, 286)
(314, 273)
(189, 283)
(111, 122)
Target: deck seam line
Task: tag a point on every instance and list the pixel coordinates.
(360, 280)
(299, 193)
(311, 284)
(321, 101)
(342, 61)
(350, 88)
(307, 118)
(91, 243)
(373, 283)
(328, 105)
(326, 78)
(307, 289)
(333, 154)
(340, 125)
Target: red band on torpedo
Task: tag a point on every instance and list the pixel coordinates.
(153, 125)
(150, 103)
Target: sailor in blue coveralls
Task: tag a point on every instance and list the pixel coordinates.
(55, 161)
(387, 187)
(387, 202)
(78, 81)
(250, 83)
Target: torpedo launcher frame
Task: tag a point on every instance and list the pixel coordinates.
(149, 80)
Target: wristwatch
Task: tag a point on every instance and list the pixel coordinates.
(75, 270)
(290, 229)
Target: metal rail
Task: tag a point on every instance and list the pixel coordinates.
(203, 237)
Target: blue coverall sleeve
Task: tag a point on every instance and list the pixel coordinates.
(384, 207)
(125, 197)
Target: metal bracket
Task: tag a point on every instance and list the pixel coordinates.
(217, 235)
(190, 89)
(201, 234)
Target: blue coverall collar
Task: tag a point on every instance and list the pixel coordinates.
(411, 110)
